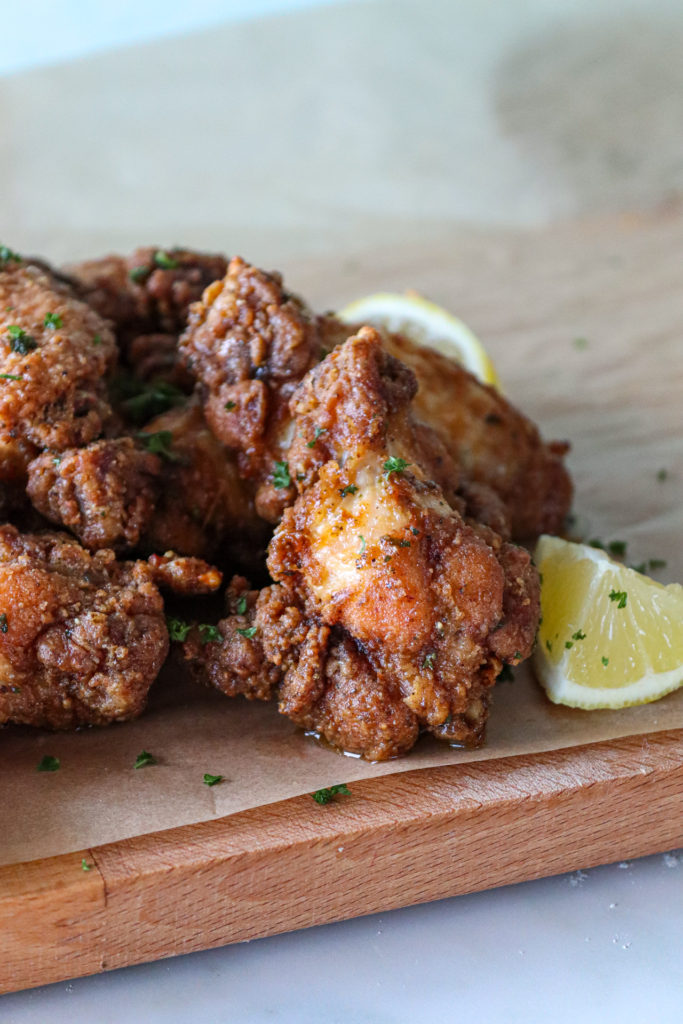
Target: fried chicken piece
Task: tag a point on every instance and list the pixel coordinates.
(149, 291)
(82, 636)
(392, 613)
(105, 493)
(494, 443)
(249, 343)
(204, 508)
(184, 576)
(54, 354)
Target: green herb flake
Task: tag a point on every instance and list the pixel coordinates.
(640, 567)
(579, 635)
(569, 644)
(662, 474)
(363, 545)
(605, 661)
(85, 866)
(209, 634)
(7, 255)
(177, 629)
(394, 465)
(53, 320)
(3, 623)
(617, 547)
(21, 342)
(249, 633)
(97, 339)
(241, 606)
(549, 645)
(316, 435)
(48, 764)
(163, 260)
(11, 376)
(138, 274)
(429, 660)
(620, 596)
(212, 780)
(349, 489)
(159, 443)
(326, 796)
(656, 563)
(281, 477)
(595, 542)
(144, 758)
(229, 406)
(152, 398)
(581, 343)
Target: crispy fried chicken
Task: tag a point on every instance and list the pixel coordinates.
(82, 637)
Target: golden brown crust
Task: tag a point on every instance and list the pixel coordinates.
(52, 389)
(82, 637)
(105, 493)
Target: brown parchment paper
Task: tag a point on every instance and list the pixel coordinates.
(619, 401)
(165, 144)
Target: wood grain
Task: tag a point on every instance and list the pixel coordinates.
(395, 841)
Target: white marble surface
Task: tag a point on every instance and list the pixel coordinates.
(597, 947)
(600, 948)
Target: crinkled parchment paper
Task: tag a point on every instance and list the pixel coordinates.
(617, 397)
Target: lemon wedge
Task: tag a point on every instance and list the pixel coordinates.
(609, 636)
(424, 323)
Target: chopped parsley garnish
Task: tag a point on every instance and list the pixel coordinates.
(229, 406)
(620, 596)
(549, 645)
(579, 635)
(361, 550)
(150, 399)
(349, 489)
(249, 633)
(144, 758)
(662, 474)
(21, 342)
(84, 865)
(11, 376)
(177, 629)
(595, 542)
(138, 274)
(159, 443)
(209, 634)
(656, 563)
(281, 477)
(429, 660)
(326, 796)
(7, 255)
(48, 764)
(3, 623)
(242, 605)
(580, 343)
(605, 661)
(569, 644)
(163, 260)
(97, 339)
(394, 465)
(318, 432)
(617, 547)
(212, 780)
(506, 675)
(52, 320)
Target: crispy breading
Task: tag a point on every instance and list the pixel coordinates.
(55, 352)
(82, 636)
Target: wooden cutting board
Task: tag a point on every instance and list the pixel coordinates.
(427, 834)
(395, 841)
